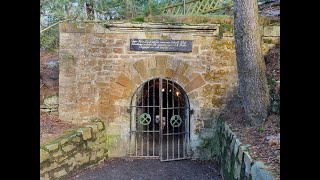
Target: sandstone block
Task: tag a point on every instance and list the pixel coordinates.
(271, 31)
(44, 155)
(60, 173)
(68, 148)
(94, 127)
(52, 147)
(195, 83)
(100, 125)
(86, 133)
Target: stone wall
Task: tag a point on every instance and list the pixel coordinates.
(233, 157)
(50, 104)
(99, 73)
(84, 147)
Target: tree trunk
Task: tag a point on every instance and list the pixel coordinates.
(251, 67)
(90, 11)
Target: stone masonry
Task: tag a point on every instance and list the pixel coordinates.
(74, 151)
(234, 158)
(99, 73)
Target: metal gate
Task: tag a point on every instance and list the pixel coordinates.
(159, 121)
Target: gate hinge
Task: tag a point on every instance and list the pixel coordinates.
(129, 110)
(191, 111)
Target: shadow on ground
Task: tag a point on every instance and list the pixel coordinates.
(153, 169)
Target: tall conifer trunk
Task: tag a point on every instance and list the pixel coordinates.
(251, 66)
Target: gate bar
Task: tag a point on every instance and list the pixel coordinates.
(172, 94)
(154, 85)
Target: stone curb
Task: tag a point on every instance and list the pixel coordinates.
(244, 167)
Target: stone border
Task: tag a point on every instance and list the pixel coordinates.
(65, 155)
(234, 159)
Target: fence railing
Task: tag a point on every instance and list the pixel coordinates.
(196, 7)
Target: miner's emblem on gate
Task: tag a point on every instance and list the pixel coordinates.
(145, 119)
(175, 121)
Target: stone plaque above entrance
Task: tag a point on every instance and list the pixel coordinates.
(167, 45)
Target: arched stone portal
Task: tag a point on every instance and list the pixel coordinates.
(160, 125)
(99, 72)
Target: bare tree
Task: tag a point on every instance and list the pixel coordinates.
(251, 67)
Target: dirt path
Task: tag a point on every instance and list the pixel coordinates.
(138, 169)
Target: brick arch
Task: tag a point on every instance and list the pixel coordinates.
(167, 67)
(164, 66)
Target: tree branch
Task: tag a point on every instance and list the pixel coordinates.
(54, 25)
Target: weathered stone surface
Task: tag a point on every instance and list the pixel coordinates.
(99, 134)
(100, 125)
(44, 155)
(237, 170)
(100, 153)
(70, 158)
(86, 133)
(195, 83)
(271, 40)
(259, 172)
(76, 139)
(82, 158)
(271, 30)
(56, 154)
(182, 68)
(233, 141)
(52, 147)
(161, 61)
(139, 66)
(45, 177)
(242, 149)
(60, 173)
(236, 147)
(68, 148)
(52, 101)
(94, 127)
(252, 170)
(247, 161)
(62, 158)
(64, 141)
(49, 167)
(125, 81)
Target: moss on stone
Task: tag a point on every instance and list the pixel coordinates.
(95, 120)
(225, 27)
(67, 134)
(164, 37)
(190, 19)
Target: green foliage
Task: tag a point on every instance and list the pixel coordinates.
(260, 128)
(275, 103)
(152, 9)
(274, 96)
(212, 144)
(225, 27)
(138, 19)
(49, 39)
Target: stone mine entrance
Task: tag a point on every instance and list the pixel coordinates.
(159, 125)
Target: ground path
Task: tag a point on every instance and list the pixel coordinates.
(153, 169)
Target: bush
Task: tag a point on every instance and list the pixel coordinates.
(49, 39)
(138, 19)
(152, 9)
(274, 96)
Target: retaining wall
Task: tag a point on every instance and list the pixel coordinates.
(84, 147)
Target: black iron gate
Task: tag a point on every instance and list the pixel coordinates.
(159, 125)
